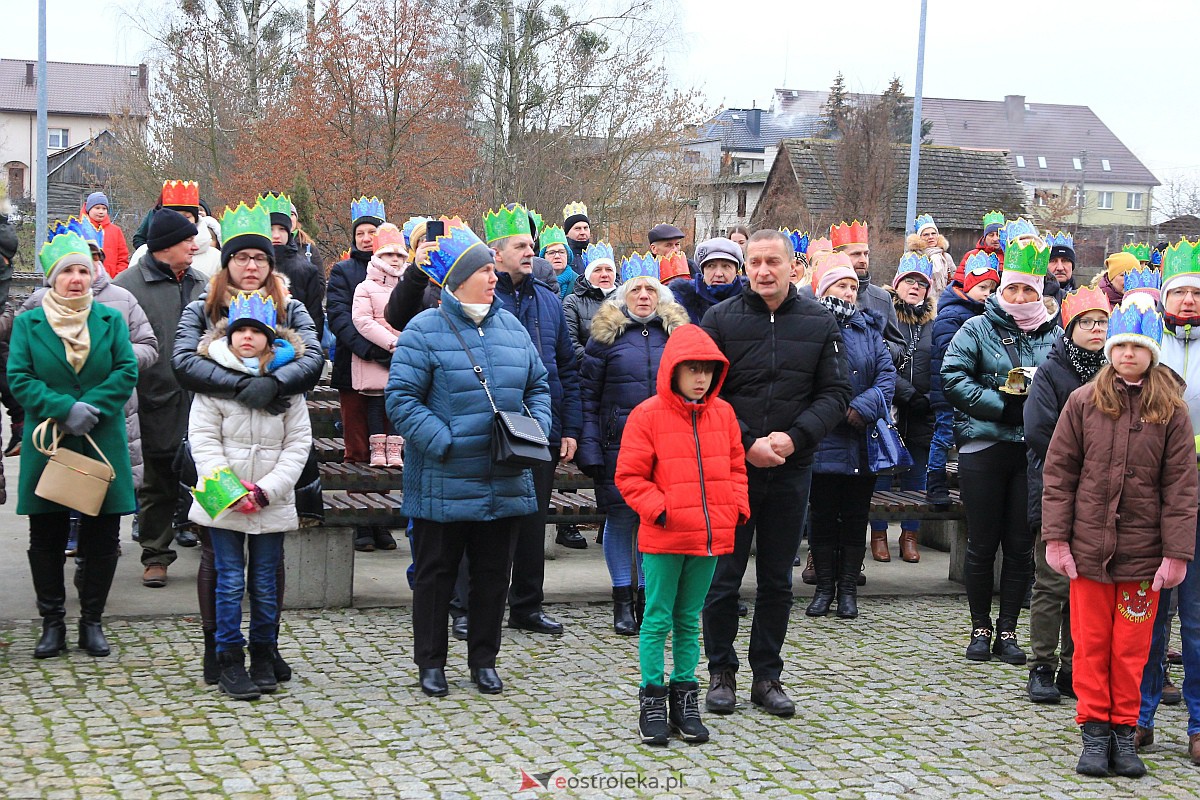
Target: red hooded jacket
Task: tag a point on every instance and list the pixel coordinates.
(960, 273)
(112, 242)
(685, 460)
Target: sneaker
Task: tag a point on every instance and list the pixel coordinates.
(980, 648)
(1097, 742)
(684, 715)
(1007, 650)
(384, 539)
(569, 536)
(366, 543)
(1041, 688)
(14, 441)
(722, 692)
(652, 720)
(1065, 683)
(1123, 755)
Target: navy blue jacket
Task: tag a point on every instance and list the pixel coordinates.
(344, 278)
(696, 296)
(538, 308)
(954, 308)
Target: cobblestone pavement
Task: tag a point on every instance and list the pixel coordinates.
(888, 708)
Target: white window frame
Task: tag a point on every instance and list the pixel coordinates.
(1133, 201)
(1077, 164)
(1079, 196)
(1039, 199)
(1020, 161)
(63, 135)
(1104, 165)
(1041, 162)
(1104, 201)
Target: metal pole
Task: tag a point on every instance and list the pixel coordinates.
(42, 210)
(914, 153)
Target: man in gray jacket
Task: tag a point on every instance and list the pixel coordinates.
(852, 240)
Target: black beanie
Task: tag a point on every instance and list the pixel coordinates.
(1062, 251)
(282, 219)
(167, 229)
(247, 241)
(573, 220)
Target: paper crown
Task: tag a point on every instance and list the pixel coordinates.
(245, 221)
(367, 208)
(573, 210)
(1136, 321)
(217, 492)
(1181, 258)
(1030, 258)
(925, 220)
(1143, 279)
(1156, 257)
(821, 245)
(1059, 239)
(452, 246)
(598, 251)
(505, 222)
(253, 306)
(980, 262)
(62, 245)
(535, 223)
(389, 238)
(799, 241)
(276, 203)
(1013, 230)
(915, 263)
(553, 234)
(639, 266)
(180, 194)
(409, 227)
(843, 234)
(1089, 298)
(80, 227)
(673, 265)
(1140, 250)
(994, 218)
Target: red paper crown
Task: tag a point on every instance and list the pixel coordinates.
(673, 266)
(181, 194)
(842, 235)
(1088, 298)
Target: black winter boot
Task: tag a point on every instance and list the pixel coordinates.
(937, 489)
(623, 611)
(1041, 688)
(824, 571)
(652, 721)
(1006, 648)
(93, 597)
(684, 714)
(980, 648)
(212, 670)
(1097, 741)
(283, 670)
(46, 567)
(847, 587)
(262, 666)
(234, 680)
(1124, 758)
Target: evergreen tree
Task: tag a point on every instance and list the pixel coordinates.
(836, 108)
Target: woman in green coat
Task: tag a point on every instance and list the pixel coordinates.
(71, 361)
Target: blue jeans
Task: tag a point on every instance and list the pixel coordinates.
(234, 579)
(912, 480)
(620, 534)
(943, 439)
(1189, 631)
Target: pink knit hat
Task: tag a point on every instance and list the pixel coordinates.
(832, 275)
(1011, 276)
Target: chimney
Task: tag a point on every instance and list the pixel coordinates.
(142, 75)
(1014, 108)
(29, 81)
(754, 121)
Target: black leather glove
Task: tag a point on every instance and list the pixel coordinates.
(277, 406)
(258, 391)
(380, 355)
(1014, 409)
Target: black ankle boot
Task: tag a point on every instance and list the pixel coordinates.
(824, 572)
(1006, 648)
(937, 489)
(684, 716)
(1097, 743)
(46, 567)
(234, 680)
(847, 587)
(623, 622)
(980, 648)
(1123, 755)
(212, 670)
(283, 670)
(262, 666)
(93, 597)
(652, 721)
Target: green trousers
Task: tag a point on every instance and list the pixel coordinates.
(676, 586)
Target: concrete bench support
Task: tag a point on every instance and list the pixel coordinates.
(319, 568)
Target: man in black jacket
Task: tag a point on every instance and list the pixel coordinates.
(788, 384)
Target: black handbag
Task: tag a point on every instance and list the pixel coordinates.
(517, 439)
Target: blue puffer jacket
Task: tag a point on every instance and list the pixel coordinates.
(843, 451)
(954, 309)
(436, 403)
(538, 308)
(619, 370)
(696, 296)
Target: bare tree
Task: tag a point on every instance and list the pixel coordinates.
(1178, 196)
(1055, 210)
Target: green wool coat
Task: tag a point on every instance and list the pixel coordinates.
(46, 386)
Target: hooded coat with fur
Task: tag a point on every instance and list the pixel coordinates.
(619, 370)
(370, 302)
(939, 255)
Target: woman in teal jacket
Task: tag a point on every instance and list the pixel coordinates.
(457, 497)
(1016, 329)
(71, 362)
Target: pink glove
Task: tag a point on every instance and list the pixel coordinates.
(245, 505)
(1058, 556)
(1170, 574)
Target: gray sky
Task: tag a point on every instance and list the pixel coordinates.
(1132, 64)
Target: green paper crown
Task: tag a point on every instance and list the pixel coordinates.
(61, 246)
(275, 203)
(1140, 251)
(553, 234)
(993, 218)
(506, 222)
(218, 491)
(244, 220)
(537, 223)
(1181, 258)
(1028, 259)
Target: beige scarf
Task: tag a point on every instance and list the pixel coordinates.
(68, 318)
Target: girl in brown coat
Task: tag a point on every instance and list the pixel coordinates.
(1119, 520)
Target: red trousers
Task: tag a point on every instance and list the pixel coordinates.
(1112, 625)
(354, 426)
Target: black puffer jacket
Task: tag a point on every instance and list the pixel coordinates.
(306, 281)
(412, 294)
(579, 307)
(344, 278)
(787, 368)
(914, 410)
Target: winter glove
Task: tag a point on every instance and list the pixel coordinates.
(257, 494)
(855, 419)
(1014, 409)
(1059, 558)
(284, 354)
(277, 406)
(257, 392)
(80, 419)
(1170, 574)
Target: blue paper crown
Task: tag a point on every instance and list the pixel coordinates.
(408, 228)
(799, 240)
(255, 306)
(914, 262)
(922, 221)
(1060, 239)
(1136, 319)
(451, 247)
(980, 262)
(1014, 229)
(367, 207)
(639, 266)
(81, 227)
(598, 250)
(1156, 258)
(1143, 278)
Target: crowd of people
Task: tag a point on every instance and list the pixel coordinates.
(754, 394)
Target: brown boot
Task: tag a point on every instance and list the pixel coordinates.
(879, 546)
(908, 547)
(1194, 748)
(809, 573)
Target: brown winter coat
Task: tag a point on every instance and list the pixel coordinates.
(939, 256)
(1123, 491)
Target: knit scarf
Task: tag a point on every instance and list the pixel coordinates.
(1086, 362)
(68, 318)
(1028, 316)
(842, 310)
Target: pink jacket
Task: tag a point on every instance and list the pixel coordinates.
(370, 299)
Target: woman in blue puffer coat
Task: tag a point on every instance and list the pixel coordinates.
(842, 483)
(458, 499)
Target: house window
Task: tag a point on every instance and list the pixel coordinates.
(1104, 200)
(1080, 198)
(1133, 201)
(1039, 198)
(1075, 162)
(1104, 165)
(741, 212)
(1020, 161)
(58, 138)
(1041, 162)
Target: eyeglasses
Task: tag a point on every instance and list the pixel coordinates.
(242, 259)
(1089, 324)
(913, 280)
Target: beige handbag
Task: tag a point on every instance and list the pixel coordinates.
(71, 479)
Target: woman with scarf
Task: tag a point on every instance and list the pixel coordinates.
(719, 278)
(70, 362)
(598, 283)
(842, 482)
(1016, 329)
(1111, 280)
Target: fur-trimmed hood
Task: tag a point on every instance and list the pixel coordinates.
(902, 308)
(221, 352)
(611, 320)
(915, 244)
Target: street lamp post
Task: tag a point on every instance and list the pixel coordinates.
(914, 152)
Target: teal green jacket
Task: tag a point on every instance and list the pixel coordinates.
(47, 386)
(977, 365)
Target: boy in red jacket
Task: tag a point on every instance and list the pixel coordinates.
(683, 470)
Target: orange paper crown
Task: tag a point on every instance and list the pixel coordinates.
(185, 194)
(842, 235)
(389, 238)
(673, 266)
(821, 245)
(1088, 298)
